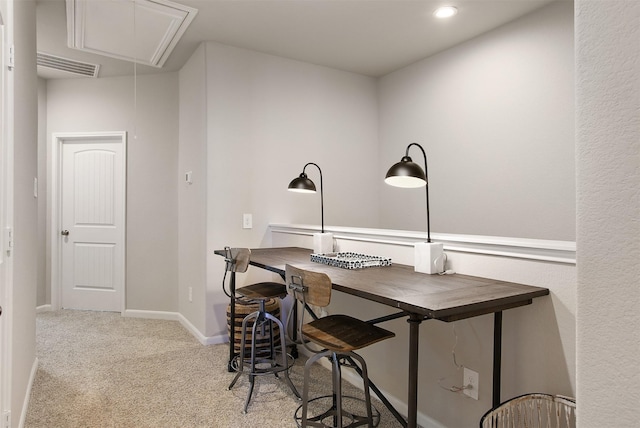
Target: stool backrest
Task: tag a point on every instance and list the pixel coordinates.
(313, 288)
(237, 259)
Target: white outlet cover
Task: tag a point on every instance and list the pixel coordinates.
(471, 378)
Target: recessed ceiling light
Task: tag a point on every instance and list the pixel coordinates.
(445, 12)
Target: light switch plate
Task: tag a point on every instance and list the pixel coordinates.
(247, 221)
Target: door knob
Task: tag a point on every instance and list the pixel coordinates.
(65, 232)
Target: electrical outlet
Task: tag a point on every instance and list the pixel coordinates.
(191, 294)
(471, 383)
(247, 221)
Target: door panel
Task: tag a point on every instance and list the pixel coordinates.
(92, 225)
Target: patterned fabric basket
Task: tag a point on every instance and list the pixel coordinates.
(532, 411)
(349, 260)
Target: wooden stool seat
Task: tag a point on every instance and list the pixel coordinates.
(263, 290)
(342, 333)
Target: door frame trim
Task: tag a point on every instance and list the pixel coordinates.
(55, 208)
(6, 211)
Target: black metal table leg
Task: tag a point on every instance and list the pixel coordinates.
(497, 357)
(412, 398)
(232, 320)
(380, 395)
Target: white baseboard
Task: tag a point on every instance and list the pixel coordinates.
(205, 340)
(152, 315)
(43, 308)
(27, 396)
(176, 316)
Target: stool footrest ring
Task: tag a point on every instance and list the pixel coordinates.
(325, 419)
(263, 366)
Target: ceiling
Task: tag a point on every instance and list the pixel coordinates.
(370, 37)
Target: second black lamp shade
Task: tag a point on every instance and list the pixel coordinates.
(303, 184)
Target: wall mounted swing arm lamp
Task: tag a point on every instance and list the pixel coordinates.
(303, 184)
(409, 174)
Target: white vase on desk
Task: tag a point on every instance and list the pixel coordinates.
(323, 243)
(429, 257)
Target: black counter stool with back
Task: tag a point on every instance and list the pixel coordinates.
(267, 334)
(338, 336)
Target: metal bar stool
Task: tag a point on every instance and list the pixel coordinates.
(269, 359)
(338, 336)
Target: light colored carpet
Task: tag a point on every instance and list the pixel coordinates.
(98, 369)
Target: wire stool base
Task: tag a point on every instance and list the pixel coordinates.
(325, 418)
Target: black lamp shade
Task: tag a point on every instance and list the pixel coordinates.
(405, 173)
(302, 184)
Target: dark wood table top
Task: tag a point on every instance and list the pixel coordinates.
(442, 297)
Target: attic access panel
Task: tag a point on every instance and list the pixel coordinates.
(111, 28)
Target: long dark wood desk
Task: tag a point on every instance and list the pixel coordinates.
(417, 296)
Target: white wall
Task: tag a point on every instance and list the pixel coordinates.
(495, 117)
(266, 118)
(107, 104)
(192, 198)
(21, 305)
(608, 202)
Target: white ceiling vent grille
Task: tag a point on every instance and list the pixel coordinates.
(68, 65)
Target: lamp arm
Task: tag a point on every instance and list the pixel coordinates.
(426, 175)
(321, 193)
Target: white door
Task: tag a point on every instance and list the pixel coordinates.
(93, 223)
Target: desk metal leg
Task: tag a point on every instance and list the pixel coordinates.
(232, 320)
(497, 357)
(412, 399)
(380, 395)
